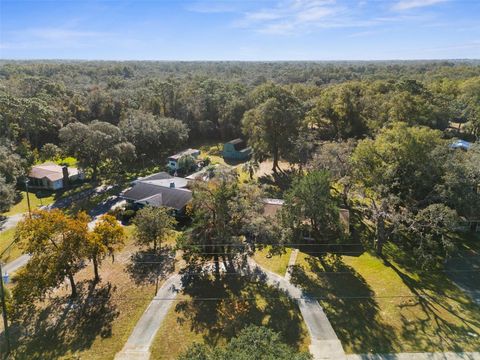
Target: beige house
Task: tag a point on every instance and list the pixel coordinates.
(53, 176)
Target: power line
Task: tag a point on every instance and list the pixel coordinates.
(323, 272)
(306, 297)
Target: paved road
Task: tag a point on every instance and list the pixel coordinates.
(464, 273)
(10, 222)
(138, 344)
(16, 264)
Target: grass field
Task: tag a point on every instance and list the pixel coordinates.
(214, 152)
(215, 322)
(275, 263)
(6, 238)
(380, 307)
(35, 202)
(101, 320)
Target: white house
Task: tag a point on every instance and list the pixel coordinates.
(53, 176)
(173, 160)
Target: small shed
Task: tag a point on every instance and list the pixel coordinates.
(236, 150)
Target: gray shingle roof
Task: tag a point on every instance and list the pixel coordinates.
(162, 175)
(158, 195)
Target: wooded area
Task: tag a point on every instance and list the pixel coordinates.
(371, 138)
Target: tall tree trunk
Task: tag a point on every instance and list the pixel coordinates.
(72, 285)
(380, 235)
(94, 173)
(275, 160)
(155, 245)
(95, 269)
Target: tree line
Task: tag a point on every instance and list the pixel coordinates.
(380, 130)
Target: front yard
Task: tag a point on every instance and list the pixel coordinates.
(97, 325)
(275, 262)
(213, 312)
(35, 202)
(13, 252)
(377, 306)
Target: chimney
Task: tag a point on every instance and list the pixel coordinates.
(66, 178)
(172, 184)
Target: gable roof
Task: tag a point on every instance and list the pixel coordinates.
(155, 195)
(52, 172)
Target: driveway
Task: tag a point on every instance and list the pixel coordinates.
(138, 344)
(324, 342)
(463, 271)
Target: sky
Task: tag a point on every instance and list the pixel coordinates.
(264, 30)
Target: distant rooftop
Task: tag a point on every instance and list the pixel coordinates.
(184, 153)
(51, 171)
(461, 144)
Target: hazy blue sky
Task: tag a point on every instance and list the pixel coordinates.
(240, 30)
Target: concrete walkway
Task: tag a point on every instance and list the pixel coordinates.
(324, 342)
(291, 262)
(138, 344)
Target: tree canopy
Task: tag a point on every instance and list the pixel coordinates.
(253, 342)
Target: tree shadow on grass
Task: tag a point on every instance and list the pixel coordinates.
(220, 308)
(279, 182)
(348, 303)
(63, 326)
(448, 316)
(146, 266)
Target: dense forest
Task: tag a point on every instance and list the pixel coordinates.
(382, 127)
(343, 100)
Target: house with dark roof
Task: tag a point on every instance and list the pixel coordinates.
(236, 150)
(159, 190)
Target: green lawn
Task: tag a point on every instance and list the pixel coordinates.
(6, 238)
(214, 152)
(275, 263)
(69, 161)
(35, 202)
(382, 308)
(214, 322)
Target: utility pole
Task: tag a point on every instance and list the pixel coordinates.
(4, 311)
(28, 198)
